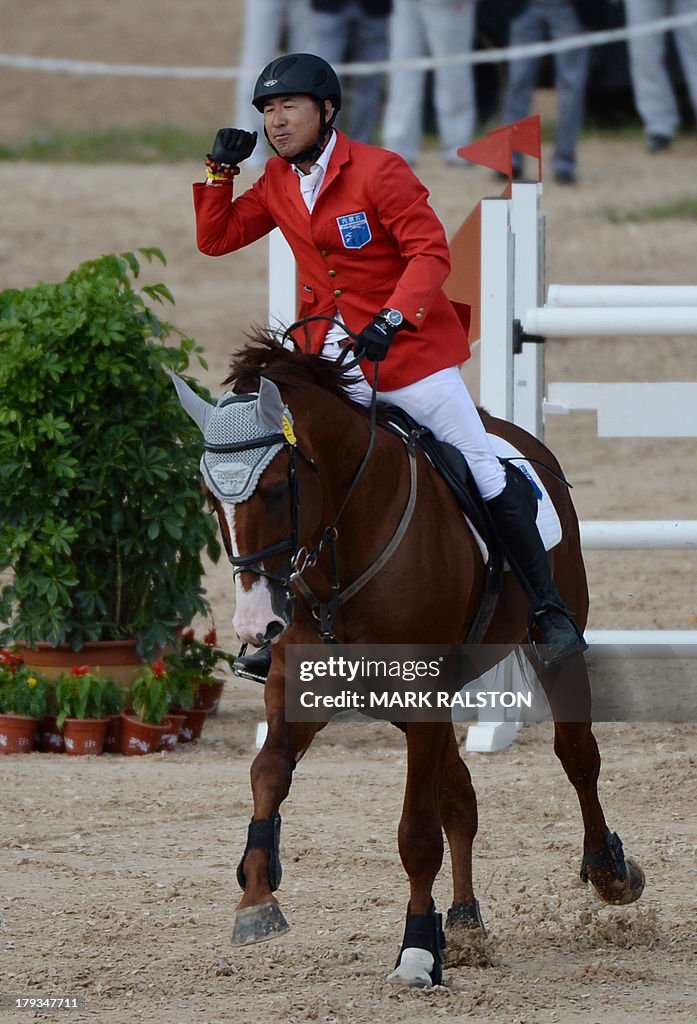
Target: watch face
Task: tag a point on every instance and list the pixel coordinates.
(393, 317)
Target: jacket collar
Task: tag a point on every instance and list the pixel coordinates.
(340, 156)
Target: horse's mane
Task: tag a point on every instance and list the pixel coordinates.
(264, 356)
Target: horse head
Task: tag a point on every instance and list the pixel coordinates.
(254, 493)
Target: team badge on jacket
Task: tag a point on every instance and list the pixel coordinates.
(355, 230)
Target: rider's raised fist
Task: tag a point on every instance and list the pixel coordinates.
(232, 146)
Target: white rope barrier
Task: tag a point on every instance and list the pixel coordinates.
(64, 66)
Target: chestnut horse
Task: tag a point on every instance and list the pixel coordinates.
(294, 551)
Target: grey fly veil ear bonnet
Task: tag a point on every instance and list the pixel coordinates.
(242, 434)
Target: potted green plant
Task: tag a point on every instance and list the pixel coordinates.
(192, 667)
(101, 507)
(23, 702)
(85, 705)
(144, 726)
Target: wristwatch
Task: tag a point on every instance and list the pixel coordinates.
(393, 317)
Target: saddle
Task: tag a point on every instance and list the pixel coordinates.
(451, 465)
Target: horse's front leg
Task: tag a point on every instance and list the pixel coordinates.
(258, 916)
(615, 878)
(420, 837)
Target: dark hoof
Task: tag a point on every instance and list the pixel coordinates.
(636, 880)
(258, 924)
(465, 937)
(616, 879)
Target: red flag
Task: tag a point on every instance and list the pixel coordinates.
(493, 151)
(496, 148)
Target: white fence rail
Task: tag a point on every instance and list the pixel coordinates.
(620, 321)
(626, 534)
(565, 295)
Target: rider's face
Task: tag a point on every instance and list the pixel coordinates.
(292, 123)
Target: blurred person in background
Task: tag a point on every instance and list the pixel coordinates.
(440, 28)
(267, 25)
(555, 19)
(653, 91)
(355, 30)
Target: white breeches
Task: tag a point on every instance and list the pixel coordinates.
(442, 403)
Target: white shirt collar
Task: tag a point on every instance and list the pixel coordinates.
(311, 183)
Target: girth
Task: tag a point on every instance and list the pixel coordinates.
(453, 468)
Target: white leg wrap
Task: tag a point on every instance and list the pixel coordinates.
(414, 969)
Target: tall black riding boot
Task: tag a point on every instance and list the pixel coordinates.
(253, 666)
(514, 513)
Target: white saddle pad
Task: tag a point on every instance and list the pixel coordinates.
(547, 519)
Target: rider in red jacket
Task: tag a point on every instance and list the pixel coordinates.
(372, 253)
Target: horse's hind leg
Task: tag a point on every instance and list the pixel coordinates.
(464, 928)
(615, 879)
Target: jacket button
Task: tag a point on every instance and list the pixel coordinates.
(325, 252)
(337, 293)
(332, 273)
(419, 316)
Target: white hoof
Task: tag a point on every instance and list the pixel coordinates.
(414, 969)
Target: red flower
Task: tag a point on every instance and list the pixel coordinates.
(81, 670)
(10, 659)
(158, 669)
(211, 638)
(188, 635)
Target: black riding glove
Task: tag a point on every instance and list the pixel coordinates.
(375, 339)
(232, 146)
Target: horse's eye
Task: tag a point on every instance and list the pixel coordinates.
(274, 495)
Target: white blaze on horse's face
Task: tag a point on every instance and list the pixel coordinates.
(254, 620)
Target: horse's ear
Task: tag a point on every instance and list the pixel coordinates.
(198, 408)
(269, 407)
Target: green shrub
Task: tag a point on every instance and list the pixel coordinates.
(101, 511)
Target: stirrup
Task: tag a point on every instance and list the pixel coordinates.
(556, 651)
(252, 666)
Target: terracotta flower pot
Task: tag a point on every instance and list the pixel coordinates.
(208, 695)
(17, 734)
(84, 735)
(50, 736)
(171, 738)
(117, 659)
(193, 724)
(140, 737)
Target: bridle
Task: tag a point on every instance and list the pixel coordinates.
(301, 558)
(252, 562)
(322, 614)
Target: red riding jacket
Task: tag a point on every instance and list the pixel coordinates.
(371, 241)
